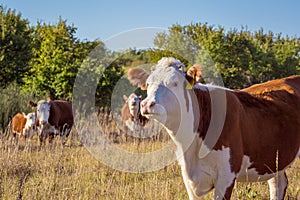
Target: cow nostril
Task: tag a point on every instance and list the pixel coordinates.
(43, 122)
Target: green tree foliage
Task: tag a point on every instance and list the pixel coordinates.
(57, 56)
(15, 47)
(243, 58)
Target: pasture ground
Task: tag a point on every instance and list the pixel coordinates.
(71, 172)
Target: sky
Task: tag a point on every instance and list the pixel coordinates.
(102, 19)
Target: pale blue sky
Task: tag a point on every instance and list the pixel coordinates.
(98, 19)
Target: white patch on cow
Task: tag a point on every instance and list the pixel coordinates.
(130, 124)
(277, 185)
(134, 105)
(251, 175)
(202, 175)
(30, 120)
(43, 111)
(170, 61)
(28, 130)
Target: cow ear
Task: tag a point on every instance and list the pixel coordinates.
(194, 74)
(138, 77)
(125, 97)
(32, 104)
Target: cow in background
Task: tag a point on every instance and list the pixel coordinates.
(55, 118)
(131, 115)
(24, 126)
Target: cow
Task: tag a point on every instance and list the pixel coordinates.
(257, 141)
(55, 118)
(131, 115)
(23, 126)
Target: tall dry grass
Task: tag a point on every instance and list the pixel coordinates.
(71, 172)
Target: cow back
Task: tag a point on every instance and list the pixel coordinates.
(269, 122)
(61, 113)
(18, 123)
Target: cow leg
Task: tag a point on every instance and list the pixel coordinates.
(51, 138)
(224, 188)
(278, 185)
(63, 137)
(65, 134)
(190, 192)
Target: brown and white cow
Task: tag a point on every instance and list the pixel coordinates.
(131, 114)
(256, 139)
(55, 117)
(23, 126)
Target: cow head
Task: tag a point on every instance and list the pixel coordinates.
(28, 130)
(30, 120)
(133, 104)
(166, 90)
(42, 111)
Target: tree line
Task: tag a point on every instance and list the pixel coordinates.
(43, 60)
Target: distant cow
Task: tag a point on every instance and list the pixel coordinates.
(257, 141)
(55, 118)
(131, 114)
(23, 126)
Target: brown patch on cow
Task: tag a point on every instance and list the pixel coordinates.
(262, 122)
(60, 114)
(202, 115)
(18, 123)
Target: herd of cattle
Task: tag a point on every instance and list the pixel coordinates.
(55, 117)
(49, 119)
(259, 138)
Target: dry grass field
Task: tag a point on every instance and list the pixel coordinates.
(71, 172)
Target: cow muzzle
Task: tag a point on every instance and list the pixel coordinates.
(43, 122)
(147, 107)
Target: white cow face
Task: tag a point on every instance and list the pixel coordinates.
(134, 104)
(165, 91)
(28, 130)
(43, 112)
(30, 120)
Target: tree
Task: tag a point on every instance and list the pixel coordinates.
(57, 56)
(242, 57)
(15, 47)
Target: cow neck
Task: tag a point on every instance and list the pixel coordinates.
(202, 112)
